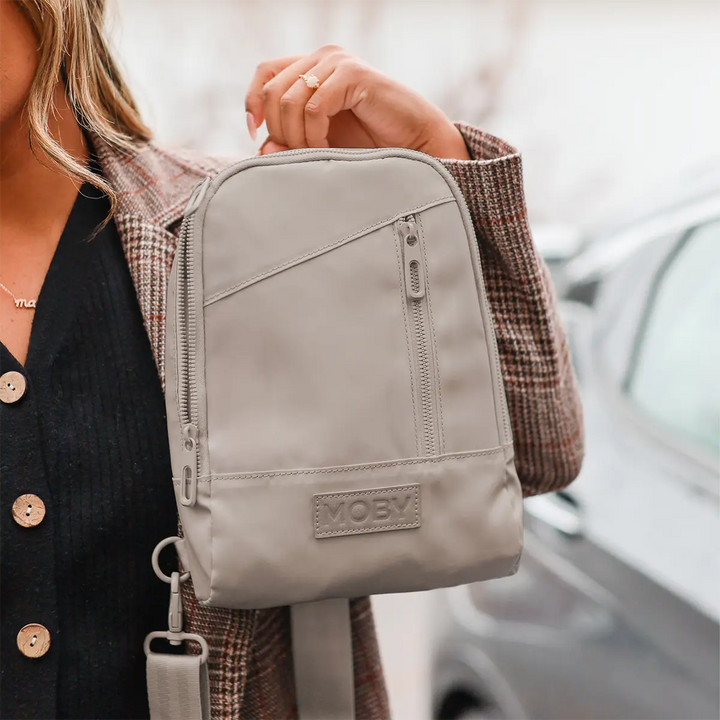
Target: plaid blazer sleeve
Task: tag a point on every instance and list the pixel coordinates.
(540, 385)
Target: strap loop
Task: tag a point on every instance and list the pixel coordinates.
(204, 655)
(178, 685)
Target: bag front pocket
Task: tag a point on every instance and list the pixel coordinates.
(328, 378)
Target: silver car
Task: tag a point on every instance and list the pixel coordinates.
(614, 612)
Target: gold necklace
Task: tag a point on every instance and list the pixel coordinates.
(20, 303)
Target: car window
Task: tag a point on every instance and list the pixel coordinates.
(675, 377)
(622, 299)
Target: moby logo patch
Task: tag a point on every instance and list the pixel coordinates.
(367, 511)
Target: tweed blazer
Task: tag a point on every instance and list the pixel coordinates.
(250, 664)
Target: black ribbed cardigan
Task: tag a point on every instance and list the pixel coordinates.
(89, 438)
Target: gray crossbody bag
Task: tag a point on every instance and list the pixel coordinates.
(336, 412)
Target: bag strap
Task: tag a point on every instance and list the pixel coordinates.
(178, 687)
(323, 660)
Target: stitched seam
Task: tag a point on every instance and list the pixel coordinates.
(354, 468)
(377, 491)
(318, 251)
(362, 531)
(408, 341)
(212, 544)
(486, 312)
(383, 528)
(438, 379)
(509, 498)
(365, 531)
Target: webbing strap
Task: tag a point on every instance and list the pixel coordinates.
(322, 654)
(178, 687)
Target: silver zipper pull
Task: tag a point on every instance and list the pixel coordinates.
(413, 259)
(188, 476)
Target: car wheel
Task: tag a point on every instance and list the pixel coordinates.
(476, 713)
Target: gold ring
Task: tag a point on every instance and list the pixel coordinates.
(310, 80)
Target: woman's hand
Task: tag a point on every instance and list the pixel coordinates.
(355, 106)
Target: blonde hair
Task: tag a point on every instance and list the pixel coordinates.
(73, 46)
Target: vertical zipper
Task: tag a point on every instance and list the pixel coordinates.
(185, 291)
(187, 344)
(415, 284)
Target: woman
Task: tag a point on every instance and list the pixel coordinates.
(90, 211)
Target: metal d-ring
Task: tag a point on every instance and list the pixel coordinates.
(156, 559)
(178, 636)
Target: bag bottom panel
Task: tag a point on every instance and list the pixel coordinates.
(287, 537)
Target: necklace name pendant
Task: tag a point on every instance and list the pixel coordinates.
(23, 303)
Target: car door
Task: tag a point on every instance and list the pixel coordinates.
(613, 613)
(648, 492)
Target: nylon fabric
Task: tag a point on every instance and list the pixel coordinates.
(178, 687)
(323, 660)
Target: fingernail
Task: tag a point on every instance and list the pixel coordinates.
(251, 125)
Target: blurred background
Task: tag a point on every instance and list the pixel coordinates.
(615, 105)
